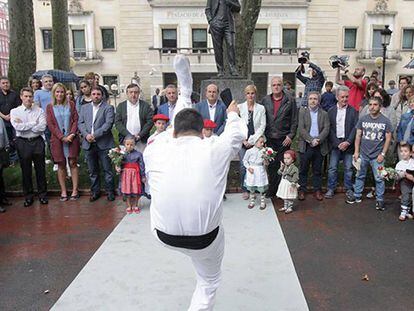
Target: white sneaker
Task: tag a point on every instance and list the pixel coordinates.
(47, 161)
(55, 167)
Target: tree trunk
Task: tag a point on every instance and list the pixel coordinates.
(22, 58)
(245, 25)
(60, 35)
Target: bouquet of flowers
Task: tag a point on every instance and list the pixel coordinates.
(117, 155)
(268, 154)
(387, 173)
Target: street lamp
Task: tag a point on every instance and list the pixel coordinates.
(114, 89)
(385, 40)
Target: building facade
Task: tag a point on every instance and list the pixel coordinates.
(126, 40)
(4, 38)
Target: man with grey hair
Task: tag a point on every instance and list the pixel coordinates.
(313, 132)
(43, 97)
(343, 119)
(281, 125)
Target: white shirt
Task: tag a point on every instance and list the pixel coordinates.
(95, 109)
(340, 122)
(33, 121)
(188, 177)
(404, 165)
(133, 123)
(171, 108)
(212, 110)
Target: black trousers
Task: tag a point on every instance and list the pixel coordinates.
(32, 151)
(218, 34)
(312, 156)
(274, 177)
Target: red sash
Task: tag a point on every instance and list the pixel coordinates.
(135, 167)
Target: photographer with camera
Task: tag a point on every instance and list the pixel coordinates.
(356, 84)
(312, 84)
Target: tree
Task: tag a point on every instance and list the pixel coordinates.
(60, 35)
(22, 58)
(245, 25)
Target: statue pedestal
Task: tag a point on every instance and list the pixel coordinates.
(236, 85)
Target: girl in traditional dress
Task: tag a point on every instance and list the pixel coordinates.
(288, 190)
(256, 176)
(132, 175)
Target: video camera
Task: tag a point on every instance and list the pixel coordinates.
(339, 61)
(304, 57)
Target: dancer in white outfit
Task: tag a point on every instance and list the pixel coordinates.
(188, 177)
(256, 176)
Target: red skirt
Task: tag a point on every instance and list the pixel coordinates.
(131, 180)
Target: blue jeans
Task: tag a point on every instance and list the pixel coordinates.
(335, 157)
(360, 179)
(96, 158)
(242, 152)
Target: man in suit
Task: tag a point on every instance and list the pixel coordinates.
(156, 100)
(134, 117)
(281, 125)
(213, 109)
(343, 119)
(95, 124)
(219, 15)
(313, 131)
(171, 94)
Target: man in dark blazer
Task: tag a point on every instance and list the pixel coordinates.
(171, 95)
(134, 117)
(95, 125)
(213, 109)
(219, 15)
(281, 125)
(313, 131)
(343, 119)
(156, 100)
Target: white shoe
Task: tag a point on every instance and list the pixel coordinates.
(48, 161)
(55, 167)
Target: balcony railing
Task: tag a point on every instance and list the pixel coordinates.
(374, 53)
(203, 51)
(86, 55)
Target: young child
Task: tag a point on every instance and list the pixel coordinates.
(288, 190)
(406, 180)
(256, 176)
(328, 99)
(208, 129)
(132, 175)
(160, 123)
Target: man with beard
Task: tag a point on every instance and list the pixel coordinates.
(356, 85)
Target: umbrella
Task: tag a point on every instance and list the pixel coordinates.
(410, 65)
(58, 75)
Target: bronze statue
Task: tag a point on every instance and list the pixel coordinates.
(220, 18)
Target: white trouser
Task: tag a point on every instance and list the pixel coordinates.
(207, 265)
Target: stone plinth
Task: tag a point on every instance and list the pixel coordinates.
(235, 85)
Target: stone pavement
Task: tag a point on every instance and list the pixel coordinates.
(132, 271)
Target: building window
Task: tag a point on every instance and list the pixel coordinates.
(108, 38)
(289, 40)
(169, 40)
(109, 80)
(376, 43)
(79, 45)
(199, 40)
(350, 35)
(408, 39)
(259, 39)
(47, 39)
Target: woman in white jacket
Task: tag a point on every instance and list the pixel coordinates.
(254, 115)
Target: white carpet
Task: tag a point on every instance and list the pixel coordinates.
(132, 271)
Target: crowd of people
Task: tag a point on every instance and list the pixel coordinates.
(357, 122)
